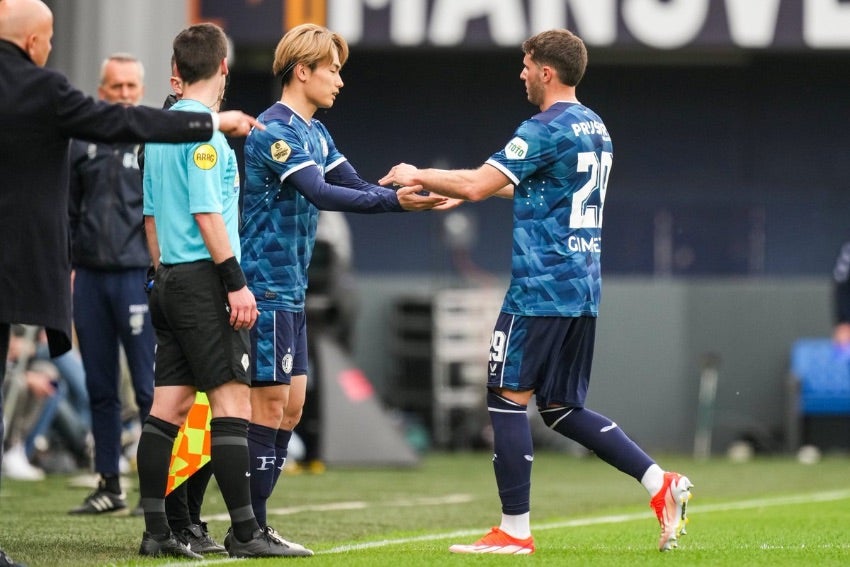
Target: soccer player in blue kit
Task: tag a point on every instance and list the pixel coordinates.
(292, 170)
(556, 169)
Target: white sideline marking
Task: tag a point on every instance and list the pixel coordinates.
(360, 505)
(616, 519)
(828, 496)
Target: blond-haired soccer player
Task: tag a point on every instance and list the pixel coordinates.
(293, 169)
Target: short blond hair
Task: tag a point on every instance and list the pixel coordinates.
(308, 44)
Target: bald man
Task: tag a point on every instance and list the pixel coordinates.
(39, 112)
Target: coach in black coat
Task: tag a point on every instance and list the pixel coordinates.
(39, 112)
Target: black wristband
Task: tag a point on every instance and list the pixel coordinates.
(231, 274)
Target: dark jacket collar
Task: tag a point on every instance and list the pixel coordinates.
(13, 48)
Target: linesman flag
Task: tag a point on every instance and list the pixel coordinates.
(191, 449)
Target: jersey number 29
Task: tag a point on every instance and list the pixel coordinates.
(589, 200)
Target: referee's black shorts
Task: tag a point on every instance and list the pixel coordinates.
(196, 346)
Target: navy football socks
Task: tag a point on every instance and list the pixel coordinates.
(600, 435)
(513, 453)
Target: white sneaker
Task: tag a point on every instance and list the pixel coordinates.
(17, 466)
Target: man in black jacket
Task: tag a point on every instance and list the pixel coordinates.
(109, 257)
(39, 112)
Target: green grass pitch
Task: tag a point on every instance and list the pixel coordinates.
(769, 511)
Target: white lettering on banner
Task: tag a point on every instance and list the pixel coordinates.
(752, 23)
(665, 25)
(409, 22)
(346, 18)
(662, 24)
(450, 17)
(408, 19)
(597, 19)
(826, 23)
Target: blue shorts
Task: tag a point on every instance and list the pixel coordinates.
(550, 355)
(279, 347)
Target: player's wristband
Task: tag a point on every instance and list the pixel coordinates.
(216, 122)
(231, 274)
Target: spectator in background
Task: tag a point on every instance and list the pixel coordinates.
(841, 298)
(61, 439)
(40, 111)
(30, 392)
(49, 410)
(110, 259)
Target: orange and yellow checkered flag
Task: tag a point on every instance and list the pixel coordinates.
(192, 447)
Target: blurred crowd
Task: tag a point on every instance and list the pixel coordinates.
(47, 408)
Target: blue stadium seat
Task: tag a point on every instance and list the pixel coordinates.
(823, 372)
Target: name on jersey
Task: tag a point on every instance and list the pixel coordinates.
(590, 127)
(576, 244)
(205, 156)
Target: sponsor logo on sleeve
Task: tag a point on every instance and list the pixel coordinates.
(205, 156)
(280, 151)
(516, 149)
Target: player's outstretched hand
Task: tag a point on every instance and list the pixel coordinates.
(402, 175)
(236, 123)
(413, 198)
(450, 203)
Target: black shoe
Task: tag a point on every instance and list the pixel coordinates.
(103, 501)
(199, 539)
(154, 546)
(6, 561)
(263, 544)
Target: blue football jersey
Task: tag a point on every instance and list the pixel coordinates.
(559, 162)
(278, 222)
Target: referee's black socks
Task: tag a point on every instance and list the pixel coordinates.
(230, 461)
(154, 460)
